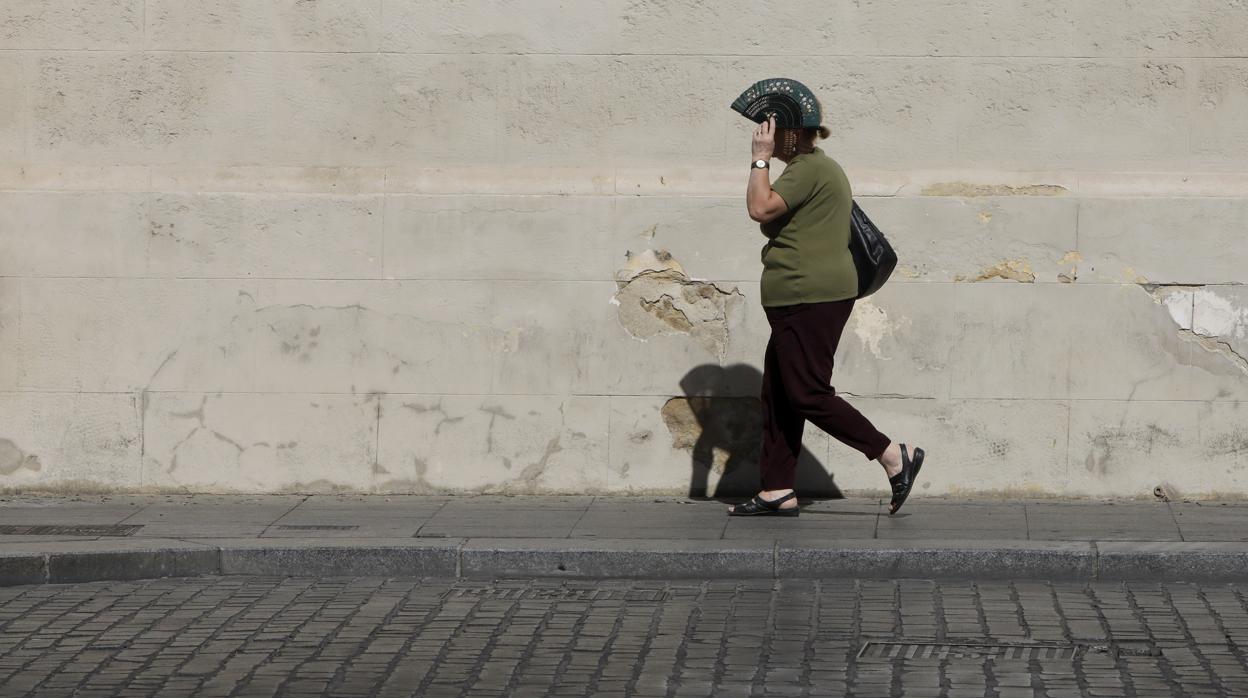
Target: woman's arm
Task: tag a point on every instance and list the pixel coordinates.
(761, 202)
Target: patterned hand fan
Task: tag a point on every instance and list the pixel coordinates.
(792, 103)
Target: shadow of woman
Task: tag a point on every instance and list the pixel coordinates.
(720, 419)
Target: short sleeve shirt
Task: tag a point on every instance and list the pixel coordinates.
(807, 258)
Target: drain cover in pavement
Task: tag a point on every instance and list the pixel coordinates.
(972, 651)
(512, 593)
(70, 530)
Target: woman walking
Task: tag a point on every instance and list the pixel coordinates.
(809, 284)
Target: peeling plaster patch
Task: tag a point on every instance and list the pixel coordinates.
(985, 217)
(1010, 269)
(13, 459)
(716, 430)
(1131, 276)
(871, 325)
(1215, 316)
(1072, 258)
(655, 296)
(969, 189)
(1205, 318)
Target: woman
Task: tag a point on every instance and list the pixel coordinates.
(808, 285)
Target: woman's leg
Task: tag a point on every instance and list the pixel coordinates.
(804, 358)
(782, 430)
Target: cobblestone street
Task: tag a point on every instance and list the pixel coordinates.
(363, 636)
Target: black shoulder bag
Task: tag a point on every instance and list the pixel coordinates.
(873, 256)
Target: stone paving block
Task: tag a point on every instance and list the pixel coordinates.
(212, 107)
(1124, 321)
(1005, 328)
(374, 557)
(10, 313)
(284, 442)
(1110, 437)
(391, 516)
(22, 568)
(996, 239)
(1042, 113)
(58, 233)
(892, 345)
(1213, 521)
(1003, 446)
(1160, 561)
(160, 334)
(928, 559)
(530, 444)
(659, 442)
(60, 24)
(1122, 240)
(264, 235)
(1218, 128)
(580, 557)
(682, 226)
(1202, 28)
(129, 559)
(489, 237)
(535, 89)
(920, 520)
(1119, 521)
(92, 439)
(1219, 329)
(242, 26)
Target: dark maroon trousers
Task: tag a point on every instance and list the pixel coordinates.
(797, 372)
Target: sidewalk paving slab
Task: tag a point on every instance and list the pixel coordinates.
(587, 536)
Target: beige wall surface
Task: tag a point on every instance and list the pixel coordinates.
(468, 246)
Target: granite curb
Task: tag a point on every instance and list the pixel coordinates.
(83, 561)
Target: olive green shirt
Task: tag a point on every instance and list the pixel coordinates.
(806, 258)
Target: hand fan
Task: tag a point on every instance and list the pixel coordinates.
(792, 103)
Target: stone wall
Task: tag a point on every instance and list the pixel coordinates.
(382, 246)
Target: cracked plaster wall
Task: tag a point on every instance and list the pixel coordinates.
(357, 246)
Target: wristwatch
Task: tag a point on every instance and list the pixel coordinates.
(760, 165)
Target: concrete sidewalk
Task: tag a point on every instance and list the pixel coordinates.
(90, 538)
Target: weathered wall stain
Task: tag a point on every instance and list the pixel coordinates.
(13, 459)
(969, 189)
(655, 296)
(1100, 457)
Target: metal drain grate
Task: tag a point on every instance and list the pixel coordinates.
(315, 527)
(975, 651)
(119, 530)
(514, 593)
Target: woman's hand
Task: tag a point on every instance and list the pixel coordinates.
(764, 144)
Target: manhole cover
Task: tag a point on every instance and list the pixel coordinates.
(513, 593)
(71, 530)
(315, 527)
(969, 650)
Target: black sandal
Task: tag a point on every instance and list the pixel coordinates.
(903, 481)
(761, 507)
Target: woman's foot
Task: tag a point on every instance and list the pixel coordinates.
(768, 503)
(902, 467)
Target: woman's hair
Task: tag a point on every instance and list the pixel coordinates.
(823, 132)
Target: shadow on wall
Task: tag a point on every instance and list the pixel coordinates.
(721, 421)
